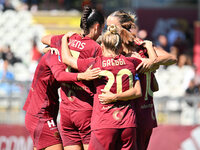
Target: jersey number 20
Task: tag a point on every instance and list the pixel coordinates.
(111, 79)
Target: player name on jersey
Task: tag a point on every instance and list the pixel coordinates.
(113, 62)
(77, 44)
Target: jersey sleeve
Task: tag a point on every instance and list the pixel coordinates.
(58, 69)
(83, 64)
(136, 62)
(56, 41)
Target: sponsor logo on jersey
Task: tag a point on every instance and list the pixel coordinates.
(51, 124)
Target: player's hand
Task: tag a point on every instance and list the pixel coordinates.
(69, 34)
(145, 66)
(90, 74)
(54, 51)
(148, 44)
(107, 97)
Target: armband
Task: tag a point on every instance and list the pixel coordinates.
(59, 58)
(136, 77)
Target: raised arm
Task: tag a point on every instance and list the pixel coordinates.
(164, 58)
(47, 39)
(147, 63)
(67, 58)
(150, 49)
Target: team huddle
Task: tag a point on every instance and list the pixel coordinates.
(106, 87)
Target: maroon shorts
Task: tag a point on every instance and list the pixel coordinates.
(143, 137)
(75, 126)
(113, 139)
(44, 132)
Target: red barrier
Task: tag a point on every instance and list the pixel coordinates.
(168, 137)
(175, 138)
(15, 137)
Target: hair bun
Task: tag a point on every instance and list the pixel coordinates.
(112, 28)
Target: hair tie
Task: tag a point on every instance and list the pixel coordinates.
(90, 15)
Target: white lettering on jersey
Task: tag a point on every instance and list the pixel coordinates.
(51, 123)
(112, 62)
(77, 44)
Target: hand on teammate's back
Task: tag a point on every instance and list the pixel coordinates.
(145, 66)
(89, 74)
(107, 97)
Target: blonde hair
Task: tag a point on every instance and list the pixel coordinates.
(127, 21)
(111, 38)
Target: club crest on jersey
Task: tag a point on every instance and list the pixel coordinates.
(118, 115)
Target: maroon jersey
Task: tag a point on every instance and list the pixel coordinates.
(145, 111)
(78, 95)
(117, 76)
(42, 100)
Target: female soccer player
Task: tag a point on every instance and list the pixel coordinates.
(113, 125)
(146, 119)
(77, 97)
(42, 102)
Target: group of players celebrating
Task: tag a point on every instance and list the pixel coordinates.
(106, 89)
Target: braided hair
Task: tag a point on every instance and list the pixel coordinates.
(90, 17)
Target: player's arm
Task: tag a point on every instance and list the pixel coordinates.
(150, 49)
(47, 39)
(58, 70)
(148, 64)
(164, 58)
(67, 57)
(63, 76)
(108, 97)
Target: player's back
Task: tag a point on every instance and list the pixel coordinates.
(79, 95)
(117, 76)
(43, 94)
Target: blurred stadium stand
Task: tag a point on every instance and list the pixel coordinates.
(58, 22)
